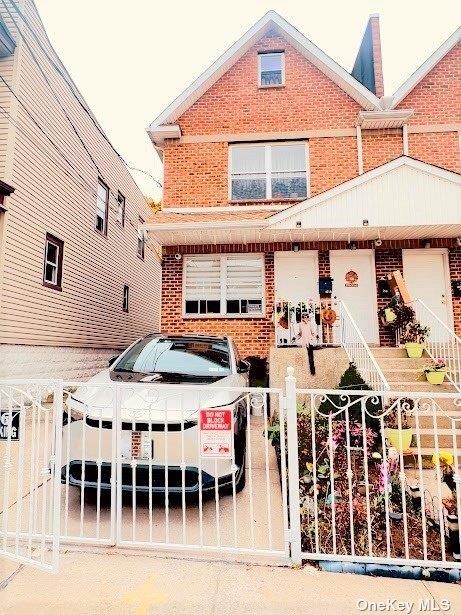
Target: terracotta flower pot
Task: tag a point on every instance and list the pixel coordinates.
(414, 350)
(436, 377)
(400, 439)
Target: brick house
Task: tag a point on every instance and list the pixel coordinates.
(282, 169)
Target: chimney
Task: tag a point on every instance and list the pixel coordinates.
(368, 68)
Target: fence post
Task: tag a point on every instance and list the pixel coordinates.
(293, 467)
(58, 412)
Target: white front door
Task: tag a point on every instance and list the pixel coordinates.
(296, 276)
(354, 281)
(296, 281)
(426, 275)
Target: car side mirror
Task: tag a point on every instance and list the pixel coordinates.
(112, 360)
(243, 367)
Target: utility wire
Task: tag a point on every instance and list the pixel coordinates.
(86, 187)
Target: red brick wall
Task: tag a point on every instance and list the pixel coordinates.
(436, 99)
(235, 103)
(255, 336)
(455, 274)
(386, 261)
(439, 148)
(380, 146)
(332, 161)
(197, 173)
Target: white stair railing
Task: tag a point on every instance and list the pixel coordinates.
(359, 352)
(442, 342)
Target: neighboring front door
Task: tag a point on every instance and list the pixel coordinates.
(426, 275)
(354, 281)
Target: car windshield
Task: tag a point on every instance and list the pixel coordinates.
(204, 358)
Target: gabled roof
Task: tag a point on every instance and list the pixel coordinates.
(425, 68)
(402, 161)
(269, 21)
(399, 199)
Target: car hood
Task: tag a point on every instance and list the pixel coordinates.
(152, 402)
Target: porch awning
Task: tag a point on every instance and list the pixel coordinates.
(403, 199)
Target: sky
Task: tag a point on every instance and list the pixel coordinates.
(131, 59)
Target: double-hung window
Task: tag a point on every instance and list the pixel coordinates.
(52, 265)
(120, 208)
(268, 171)
(224, 285)
(102, 207)
(141, 239)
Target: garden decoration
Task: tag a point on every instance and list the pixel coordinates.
(328, 316)
(444, 464)
(436, 372)
(414, 336)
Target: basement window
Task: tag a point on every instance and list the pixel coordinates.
(224, 285)
(271, 69)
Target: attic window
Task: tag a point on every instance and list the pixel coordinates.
(271, 69)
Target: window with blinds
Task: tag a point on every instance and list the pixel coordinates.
(224, 285)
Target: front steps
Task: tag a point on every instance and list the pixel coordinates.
(405, 374)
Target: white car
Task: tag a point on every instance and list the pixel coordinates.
(165, 381)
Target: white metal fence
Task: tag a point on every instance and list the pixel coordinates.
(134, 474)
(442, 342)
(370, 476)
(30, 461)
(380, 477)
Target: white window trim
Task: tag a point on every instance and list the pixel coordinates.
(267, 145)
(275, 85)
(54, 265)
(224, 314)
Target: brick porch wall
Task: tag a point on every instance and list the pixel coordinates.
(386, 261)
(254, 336)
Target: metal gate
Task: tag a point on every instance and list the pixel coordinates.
(30, 462)
(134, 474)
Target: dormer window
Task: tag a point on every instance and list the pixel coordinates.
(271, 69)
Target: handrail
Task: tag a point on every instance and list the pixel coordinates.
(359, 352)
(442, 342)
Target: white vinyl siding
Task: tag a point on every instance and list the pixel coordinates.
(268, 171)
(52, 197)
(224, 285)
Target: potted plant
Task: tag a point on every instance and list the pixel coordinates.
(399, 431)
(414, 337)
(436, 371)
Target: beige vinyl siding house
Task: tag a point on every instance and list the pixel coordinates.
(53, 152)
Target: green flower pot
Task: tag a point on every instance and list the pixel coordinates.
(414, 350)
(436, 377)
(400, 439)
